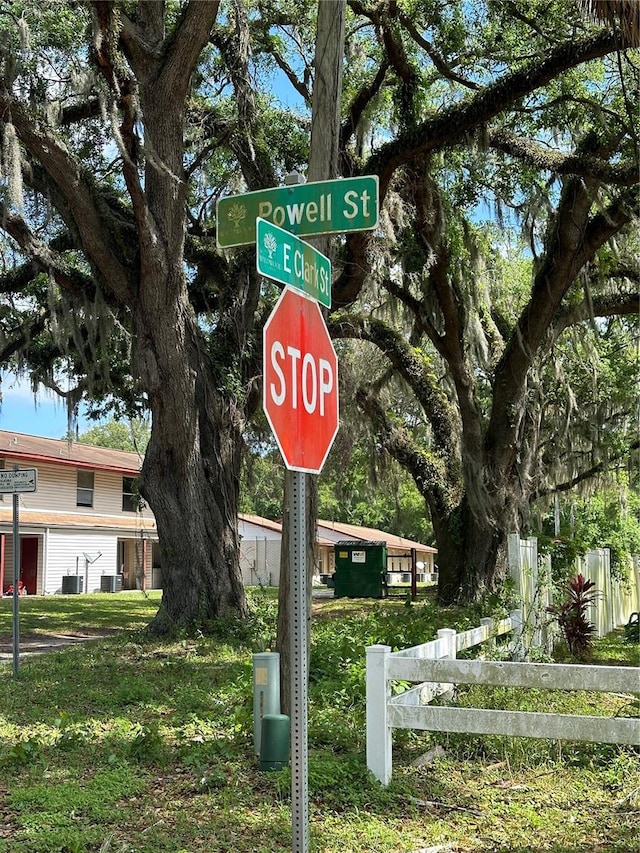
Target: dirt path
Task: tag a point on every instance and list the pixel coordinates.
(31, 644)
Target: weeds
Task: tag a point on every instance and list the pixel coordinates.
(129, 745)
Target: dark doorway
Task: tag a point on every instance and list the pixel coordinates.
(29, 563)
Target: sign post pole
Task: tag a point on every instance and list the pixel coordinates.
(16, 579)
(16, 482)
(300, 383)
(298, 645)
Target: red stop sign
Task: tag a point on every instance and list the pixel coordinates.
(300, 381)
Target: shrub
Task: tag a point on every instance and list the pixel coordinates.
(571, 615)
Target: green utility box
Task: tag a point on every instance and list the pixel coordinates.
(361, 569)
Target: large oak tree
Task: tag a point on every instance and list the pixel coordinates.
(124, 121)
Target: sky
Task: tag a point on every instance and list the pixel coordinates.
(45, 416)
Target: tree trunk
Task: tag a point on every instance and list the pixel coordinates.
(190, 478)
(191, 470)
(471, 554)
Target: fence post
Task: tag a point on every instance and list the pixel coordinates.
(449, 637)
(606, 565)
(379, 755)
(518, 651)
(487, 622)
(514, 557)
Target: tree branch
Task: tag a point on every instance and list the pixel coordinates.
(428, 471)
(572, 240)
(189, 37)
(411, 364)
(89, 215)
(44, 259)
(582, 164)
(588, 474)
(606, 305)
(452, 125)
(456, 121)
(367, 93)
(16, 340)
(438, 60)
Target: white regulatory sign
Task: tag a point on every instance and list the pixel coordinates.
(20, 480)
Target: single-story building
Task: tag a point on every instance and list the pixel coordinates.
(400, 551)
(86, 529)
(261, 542)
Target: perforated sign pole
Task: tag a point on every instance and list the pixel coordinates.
(16, 579)
(298, 650)
(16, 482)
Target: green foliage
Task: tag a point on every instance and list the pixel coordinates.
(350, 490)
(129, 744)
(609, 518)
(132, 435)
(22, 752)
(245, 125)
(262, 484)
(147, 743)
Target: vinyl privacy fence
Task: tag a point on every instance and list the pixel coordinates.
(618, 596)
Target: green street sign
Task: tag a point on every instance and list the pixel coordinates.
(285, 258)
(321, 207)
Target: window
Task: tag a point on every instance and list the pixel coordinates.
(130, 498)
(84, 494)
(1, 469)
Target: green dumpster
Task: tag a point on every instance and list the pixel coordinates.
(361, 569)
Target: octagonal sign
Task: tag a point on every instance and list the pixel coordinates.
(300, 393)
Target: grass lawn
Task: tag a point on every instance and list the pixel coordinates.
(127, 745)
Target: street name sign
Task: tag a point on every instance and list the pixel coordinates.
(285, 258)
(319, 207)
(18, 480)
(300, 395)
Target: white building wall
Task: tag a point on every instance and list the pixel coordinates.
(57, 491)
(251, 530)
(66, 550)
(260, 561)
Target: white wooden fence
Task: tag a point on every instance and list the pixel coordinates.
(382, 669)
(435, 667)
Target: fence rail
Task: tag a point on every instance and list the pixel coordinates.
(434, 665)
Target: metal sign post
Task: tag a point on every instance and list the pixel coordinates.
(298, 646)
(16, 580)
(300, 383)
(15, 482)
